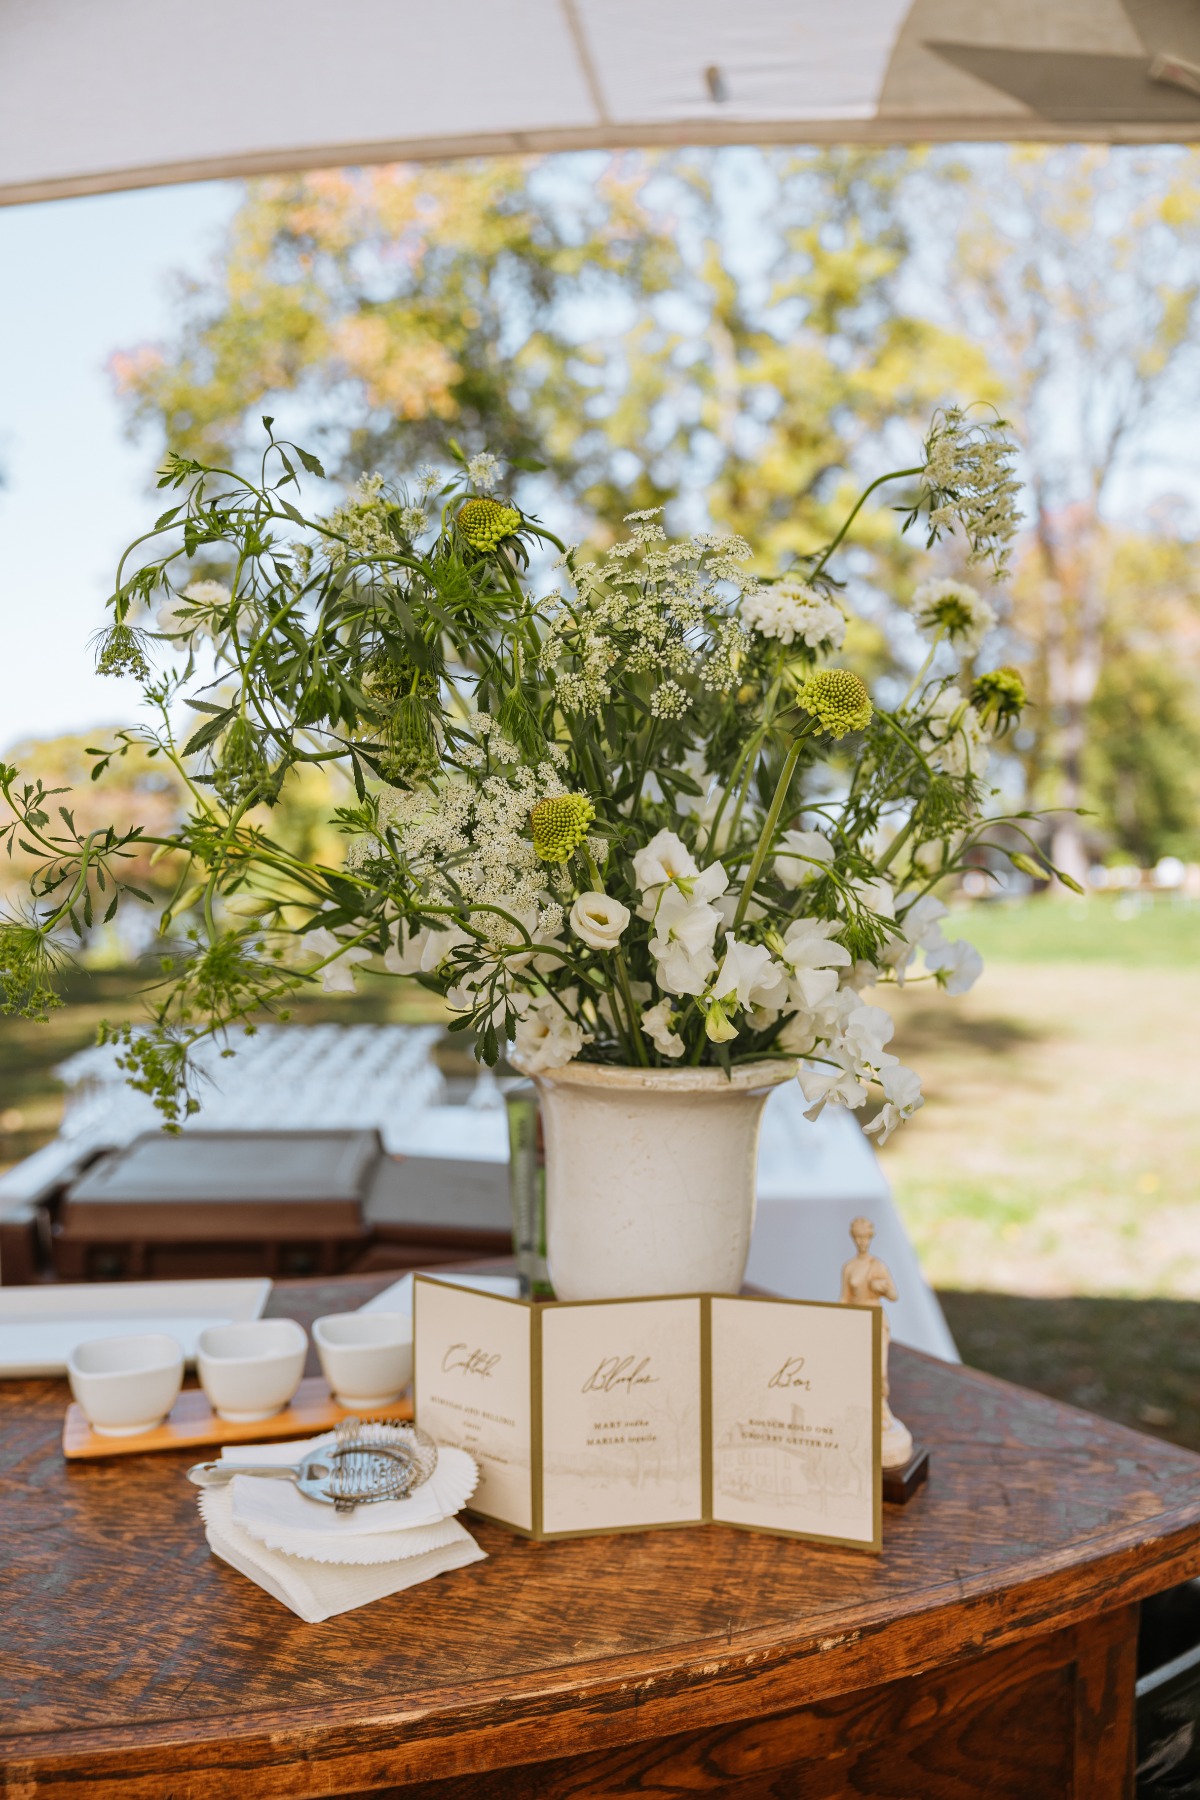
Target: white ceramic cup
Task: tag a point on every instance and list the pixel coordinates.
(367, 1358)
(251, 1371)
(126, 1384)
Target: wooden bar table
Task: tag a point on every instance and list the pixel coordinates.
(988, 1652)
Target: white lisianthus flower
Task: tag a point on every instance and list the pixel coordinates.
(750, 974)
(546, 1036)
(956, 963)
(599, 920)
(902, 1096)
(438, 946)
(791, 610)
(801, 857)
(337, 977)
(665, 858)
(954, 738)
(658, 1023)
(954, 610)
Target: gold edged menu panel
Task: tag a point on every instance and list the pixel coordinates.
(652, 1413)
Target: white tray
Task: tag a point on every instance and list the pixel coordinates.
(40, 1325)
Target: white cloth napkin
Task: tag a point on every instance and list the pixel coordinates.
(278, 1514)
(324, 1572)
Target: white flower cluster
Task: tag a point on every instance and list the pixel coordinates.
(968, 479)
(649, 607)
(361, 521)
(483, 471)
(956, 963)
(955, 611)
(791, 610)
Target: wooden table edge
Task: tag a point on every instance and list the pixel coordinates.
(609, 1701)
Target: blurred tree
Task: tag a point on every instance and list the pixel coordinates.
(724, 324)
(1079, 268)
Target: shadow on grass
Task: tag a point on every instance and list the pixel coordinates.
(943, 1025)
(1135, 1361)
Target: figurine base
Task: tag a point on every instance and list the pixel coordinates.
(899, 1485)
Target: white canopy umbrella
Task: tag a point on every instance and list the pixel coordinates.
(131, 93)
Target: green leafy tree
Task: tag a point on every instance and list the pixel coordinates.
(1079, 267)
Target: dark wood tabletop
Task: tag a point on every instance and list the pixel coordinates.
(136, 1665)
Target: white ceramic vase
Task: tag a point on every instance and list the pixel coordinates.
(650, 1177)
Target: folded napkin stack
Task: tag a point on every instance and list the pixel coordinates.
(320, 1562)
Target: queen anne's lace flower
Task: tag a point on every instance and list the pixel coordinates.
(791, 610)
(968, 480)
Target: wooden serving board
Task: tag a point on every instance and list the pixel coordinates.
(192, 1421)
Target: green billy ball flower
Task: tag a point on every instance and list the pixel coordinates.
(485, 522)
(560, 825)
(999, 697)
(838, 700)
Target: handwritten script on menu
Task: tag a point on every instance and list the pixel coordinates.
(616, 1372)
(469, 1362)
(613, 1415)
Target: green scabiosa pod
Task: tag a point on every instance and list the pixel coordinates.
(999, 698)
(485, 523)
(560, 825)
(838, 700)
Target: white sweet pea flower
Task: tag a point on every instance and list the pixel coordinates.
(811, 989)
(438, 946)
(750, 973)
(876, 895)
(801, 857)
(718, 1026)
(404, 956)
(867, 1030)
(684, 930)
(658, 1023)
(665, 858)
(840, 1084)
(903, 1097)
(807, 944)
(920, 929)
(956, 963)
(546, 1036)
(337, 977)
(921, 923)
(599, 920)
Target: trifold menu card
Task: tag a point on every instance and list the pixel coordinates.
(622, 1415)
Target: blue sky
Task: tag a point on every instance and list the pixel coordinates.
(78, 279)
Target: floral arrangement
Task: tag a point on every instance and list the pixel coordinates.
(645, 818)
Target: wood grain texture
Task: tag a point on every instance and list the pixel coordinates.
(142, 1667)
